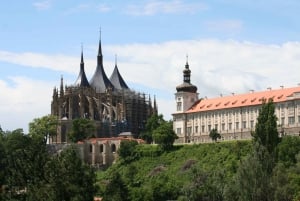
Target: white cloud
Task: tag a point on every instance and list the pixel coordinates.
(228, 26)
(25, 100)
(42, 5)
(218, 67)
(156, 7)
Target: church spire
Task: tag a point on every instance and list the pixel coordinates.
(186, 86)
(81, 62)
(100, 56)
(81, 79)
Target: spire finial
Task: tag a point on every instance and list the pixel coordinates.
(116, 59)
(81, 63)
(187, 58)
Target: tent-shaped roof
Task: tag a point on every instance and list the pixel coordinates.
(117, 80)
(99, 81)
(81, 80)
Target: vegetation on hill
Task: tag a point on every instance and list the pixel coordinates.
(263, 169)
(28, 171)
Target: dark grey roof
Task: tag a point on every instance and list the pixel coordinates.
(186, 86)
(99, 80)
(81, 80)
(117, 80)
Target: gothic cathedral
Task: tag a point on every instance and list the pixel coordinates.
(108, 102)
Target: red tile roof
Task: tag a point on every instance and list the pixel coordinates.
(243, 100)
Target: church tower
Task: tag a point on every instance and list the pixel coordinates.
(186, 94)
(185, 97)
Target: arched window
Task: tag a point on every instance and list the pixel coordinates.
(113, 148)
(101, 148)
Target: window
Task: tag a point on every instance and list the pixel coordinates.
(230, 126)
(282, 121)
(299, 119)
(216, 126)
(209, 128)
(179, 106)
(291, 120)
(244, 124)
(189, 130)
(113, 148)
(237, 125)
(196, 129)
(101, 148)
(91, 148)
(178, 131)
(203, 129)
(223, 127)
(251, 124)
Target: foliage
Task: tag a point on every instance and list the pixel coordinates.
(164, 135)
(214, 135)
(81, 129)
(266, 127)
(31, 173)
(43, 127)
(152, 123)
(127, 151)
(253, 176)
(288, 148)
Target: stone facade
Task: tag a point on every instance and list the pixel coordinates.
(101, 152)
(233, 116)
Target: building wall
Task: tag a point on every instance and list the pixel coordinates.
(234, 123)
(101, 152)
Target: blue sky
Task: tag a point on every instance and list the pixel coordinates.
(233, 46)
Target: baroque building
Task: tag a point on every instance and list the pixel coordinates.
(108, 102)
(233, 116)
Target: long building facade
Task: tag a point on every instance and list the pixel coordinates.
(233, 116)
(108, 102)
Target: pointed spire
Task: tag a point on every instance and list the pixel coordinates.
(155, 106)
(99, 81)
(61, 86)
(186, 86)
(81, 79)
(116, 78)
(100, 56)
(187, 62)
(81, 62)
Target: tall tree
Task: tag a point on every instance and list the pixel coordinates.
(165, 136)
(266, 127)
(152, 123)
(81, 129)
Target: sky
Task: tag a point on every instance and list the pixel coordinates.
(232, 46)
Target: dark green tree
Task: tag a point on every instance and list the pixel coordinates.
(165, 136)
(127, 151)
(266, 127)
(253, 178)
(115, 188)
(152, 123)
(81, 129)
(67, 178)
(214, 135)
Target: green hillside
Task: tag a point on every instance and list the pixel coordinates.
(192, 172)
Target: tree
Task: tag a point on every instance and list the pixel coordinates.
(127, 150)
(43, 127)
(81, 129)
(165, 136)
(266, 127)
(152, 123)
(214, 135)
